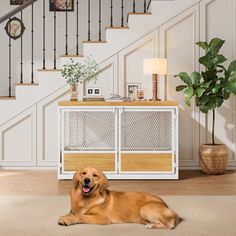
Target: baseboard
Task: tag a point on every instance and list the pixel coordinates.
(29, 168)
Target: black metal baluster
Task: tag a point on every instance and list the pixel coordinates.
(32, 48)
(66, 49)
(9, 63)
(122, 13)
(21, 52)
(77, 27)
(44, 36)
(55, 33)
(100, 21)
(145, 6)
(89, 21)
(111, 24)
(134, 7)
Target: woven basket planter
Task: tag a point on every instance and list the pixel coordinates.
(213, 158)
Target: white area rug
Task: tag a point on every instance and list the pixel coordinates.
(38, 215)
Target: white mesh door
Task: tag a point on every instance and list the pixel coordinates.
(146, 131)
(89, 131)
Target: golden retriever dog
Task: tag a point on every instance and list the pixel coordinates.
(93, 203)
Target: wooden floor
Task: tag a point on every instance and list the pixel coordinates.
(190, 183)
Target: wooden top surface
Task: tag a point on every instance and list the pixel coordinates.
(136, 103)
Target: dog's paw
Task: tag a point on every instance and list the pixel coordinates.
(150, 226)
(65, 221)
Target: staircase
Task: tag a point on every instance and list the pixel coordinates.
(35, 99)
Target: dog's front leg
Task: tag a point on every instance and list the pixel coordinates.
(94, 219)
(72, 219)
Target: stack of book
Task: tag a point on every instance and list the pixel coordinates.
(97, 98)
(116, 98)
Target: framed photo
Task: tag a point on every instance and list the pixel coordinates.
(130, 89)
(60, 5)
(139, 94)
(93, 91)
(16, 2)
(15, 28)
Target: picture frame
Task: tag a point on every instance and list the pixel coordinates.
(130, 87)
(93, 91)
(60, 5)
(16, 2)
(14, 28)
(139, 94)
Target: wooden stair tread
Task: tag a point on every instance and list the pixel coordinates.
(117, 27)
(72, 55)
(7, 98)
(49, 70)
(139, 13)
(27, 84)
(94, 41)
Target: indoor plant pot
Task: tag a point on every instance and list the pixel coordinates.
(210, 89)
(213, 158)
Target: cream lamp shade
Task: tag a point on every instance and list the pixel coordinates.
(155, 66)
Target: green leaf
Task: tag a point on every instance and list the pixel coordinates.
(180, 87)
(212, 103)
(207, 61)
(216, 88)
(219, 59)
(200, 91)
(203, 45)
(204, 99)
(209, 75)
(188, 93)
(215, 45)
(226, 94)
(231, 83)
(232, 67)
(203, 108)
(219, 101)
(195, 77)
(206, 84)
(184, 77)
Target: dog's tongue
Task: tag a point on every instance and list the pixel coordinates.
(86, 189)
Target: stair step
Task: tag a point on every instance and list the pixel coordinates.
(49, 70)
(138, 14)
(72, 55)
(27, 84)
(7, 98)
(94, 41)
(117, 27)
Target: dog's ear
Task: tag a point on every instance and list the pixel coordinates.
(103, 183)
(76, 179)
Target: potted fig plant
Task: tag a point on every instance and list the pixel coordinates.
(210, 89)
(75, 72)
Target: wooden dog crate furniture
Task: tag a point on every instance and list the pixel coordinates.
(127, 140)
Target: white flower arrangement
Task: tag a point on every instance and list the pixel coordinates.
(75, 72)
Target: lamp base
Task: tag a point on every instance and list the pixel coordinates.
(157, 99)
(155, 88)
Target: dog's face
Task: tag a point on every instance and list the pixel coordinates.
(90, 181)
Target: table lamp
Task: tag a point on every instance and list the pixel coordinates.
(155, 67)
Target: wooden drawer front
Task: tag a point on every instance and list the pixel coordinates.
(103, 161)
(146, 162)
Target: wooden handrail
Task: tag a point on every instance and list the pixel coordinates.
(16, 10)
(149, 4)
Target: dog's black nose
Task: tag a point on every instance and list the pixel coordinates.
(86, 181)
